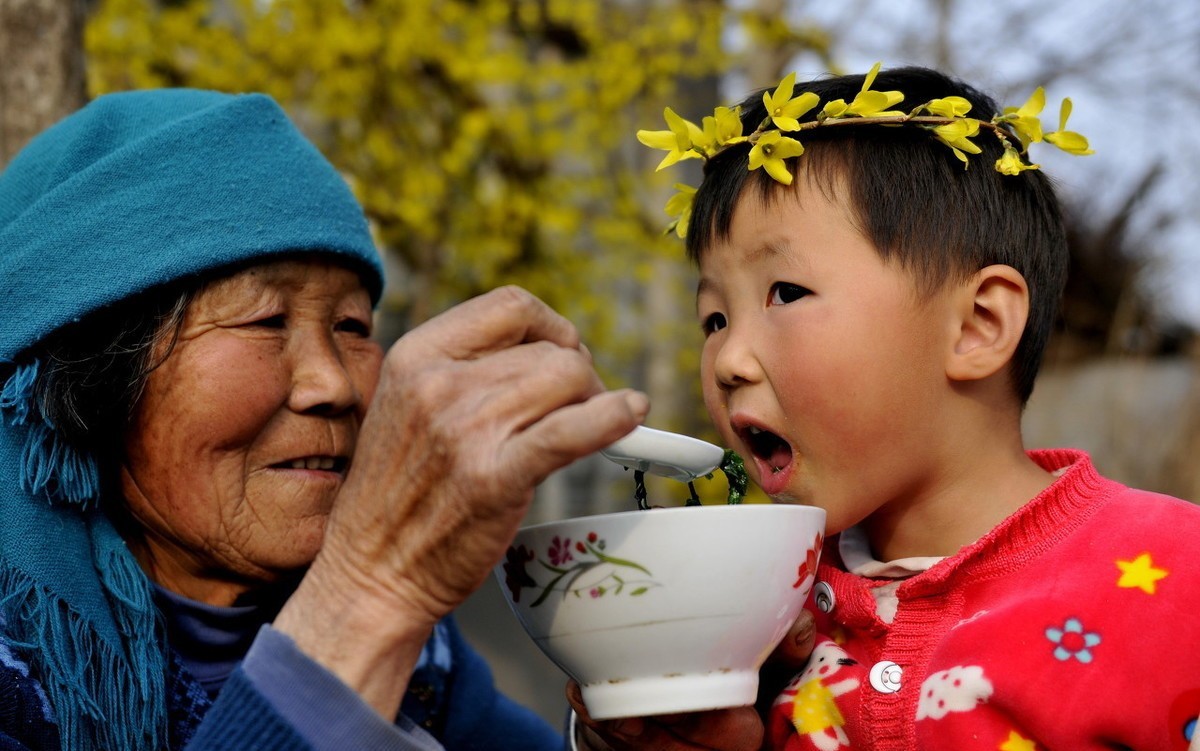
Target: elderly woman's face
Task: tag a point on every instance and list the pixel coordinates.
(243, 436)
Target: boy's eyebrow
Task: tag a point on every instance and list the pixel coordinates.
(768, 249)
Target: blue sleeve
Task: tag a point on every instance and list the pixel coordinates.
(281, 699)
(8, 744)
(242, 718)
(479, 717)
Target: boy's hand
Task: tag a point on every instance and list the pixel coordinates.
(735, 729)
(788, 659)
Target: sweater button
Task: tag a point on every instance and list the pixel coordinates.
(823, 594)
(885, 677)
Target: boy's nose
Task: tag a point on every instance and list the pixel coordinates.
(736, 363)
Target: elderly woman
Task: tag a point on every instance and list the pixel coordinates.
(208, 540)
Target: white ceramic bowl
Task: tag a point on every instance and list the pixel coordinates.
(666, 610)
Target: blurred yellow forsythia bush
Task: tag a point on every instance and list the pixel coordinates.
(490, 141)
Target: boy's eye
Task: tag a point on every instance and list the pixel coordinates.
(783, 293)
(712, 323)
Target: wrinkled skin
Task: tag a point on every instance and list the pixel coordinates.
(277, 435)
(472, 410)
(273, 367)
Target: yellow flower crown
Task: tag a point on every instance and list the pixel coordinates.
(945, 118)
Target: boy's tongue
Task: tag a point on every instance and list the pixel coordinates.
(771, 450)
(774, 460)
(779, 457)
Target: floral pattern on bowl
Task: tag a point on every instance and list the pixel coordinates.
(806, 573)
(566, 563)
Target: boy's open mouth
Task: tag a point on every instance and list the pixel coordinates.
(768, 448)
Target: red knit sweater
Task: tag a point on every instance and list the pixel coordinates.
(1074, 624)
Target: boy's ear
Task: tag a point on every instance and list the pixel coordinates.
(990, 309)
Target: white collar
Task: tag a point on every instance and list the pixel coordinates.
(858, 559)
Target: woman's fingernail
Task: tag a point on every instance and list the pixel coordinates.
(638, 403)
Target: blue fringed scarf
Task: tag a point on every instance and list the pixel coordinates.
(133, 191)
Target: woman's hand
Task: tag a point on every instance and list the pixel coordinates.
(735, 729)
(473, 410)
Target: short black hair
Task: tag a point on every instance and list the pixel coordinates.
(94, 371)
(912, 198)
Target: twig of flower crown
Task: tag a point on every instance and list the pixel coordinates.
(945, 118)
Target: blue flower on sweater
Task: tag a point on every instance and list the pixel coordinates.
(1072, 641)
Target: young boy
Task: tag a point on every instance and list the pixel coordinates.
(875, 311)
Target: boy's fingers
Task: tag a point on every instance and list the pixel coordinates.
(798, 644)
(788, 659)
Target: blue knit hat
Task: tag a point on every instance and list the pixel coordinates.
(146, 187)
(133, 191)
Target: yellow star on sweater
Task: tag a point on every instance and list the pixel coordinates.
(1140, 573)
(1016, 743)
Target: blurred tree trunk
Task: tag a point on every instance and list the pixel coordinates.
(41, 67)
(770, 56)
(943, 58)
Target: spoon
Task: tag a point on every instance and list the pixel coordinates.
(659, 452)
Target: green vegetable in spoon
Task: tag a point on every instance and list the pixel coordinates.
(735, 475)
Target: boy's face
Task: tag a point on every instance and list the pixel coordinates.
(820, 366)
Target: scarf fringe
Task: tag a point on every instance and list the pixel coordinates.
(104, 695)
(50, 466)
(17, 394)
(102, 698)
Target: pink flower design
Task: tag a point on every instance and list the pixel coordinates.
(560, 551)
